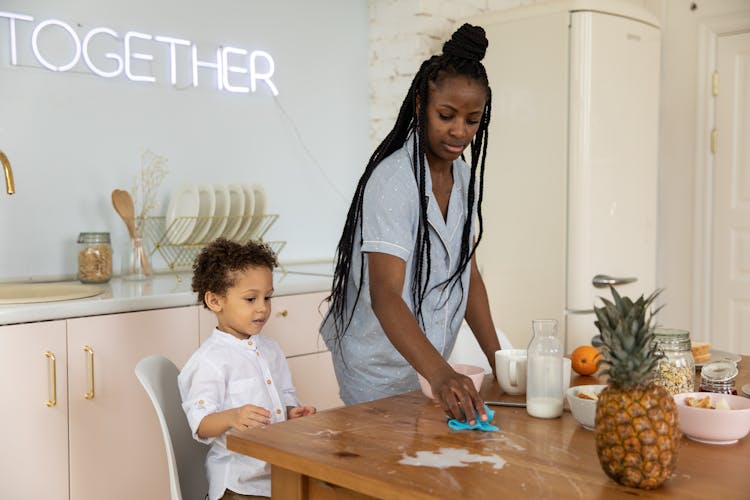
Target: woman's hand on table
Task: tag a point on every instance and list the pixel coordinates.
(455, 392)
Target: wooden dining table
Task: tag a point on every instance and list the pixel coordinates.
(402, 447)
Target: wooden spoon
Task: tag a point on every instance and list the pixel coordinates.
(125, 207)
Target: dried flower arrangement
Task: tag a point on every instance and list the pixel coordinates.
(146, 188)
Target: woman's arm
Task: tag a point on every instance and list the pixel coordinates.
(478, 315)
(452, 390)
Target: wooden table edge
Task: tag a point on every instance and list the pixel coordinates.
(353, 481)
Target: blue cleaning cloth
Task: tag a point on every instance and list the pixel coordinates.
(458, 425)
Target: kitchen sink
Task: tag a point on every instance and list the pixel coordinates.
(26, 293)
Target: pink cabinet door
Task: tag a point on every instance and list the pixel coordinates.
(315, 380)
(294, 323)
(116, 446)
(207, 321)
(34, 419)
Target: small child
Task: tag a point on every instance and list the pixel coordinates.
(237, 379)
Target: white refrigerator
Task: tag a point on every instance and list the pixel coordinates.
(570, 200)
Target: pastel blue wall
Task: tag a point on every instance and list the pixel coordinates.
(73, 137)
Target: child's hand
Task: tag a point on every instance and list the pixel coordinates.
(300, 411)
(249, 416)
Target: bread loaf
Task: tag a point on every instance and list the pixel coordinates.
(700, 351)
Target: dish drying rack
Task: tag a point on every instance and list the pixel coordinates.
(179, 253)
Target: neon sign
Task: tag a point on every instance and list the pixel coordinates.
(236, 69)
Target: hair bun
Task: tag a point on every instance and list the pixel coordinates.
(468, 42)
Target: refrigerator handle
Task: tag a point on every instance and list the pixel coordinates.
(602, 280)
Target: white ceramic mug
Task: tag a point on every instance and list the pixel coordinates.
(510, 365)
(567, 364)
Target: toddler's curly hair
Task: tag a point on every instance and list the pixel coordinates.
(215, 267)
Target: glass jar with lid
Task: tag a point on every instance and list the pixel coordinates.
(719, 376)
(94, 257)
(676, 369)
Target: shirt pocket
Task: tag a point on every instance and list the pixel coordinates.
(247, 391)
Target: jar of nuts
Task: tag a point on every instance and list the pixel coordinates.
(94, 257)
(676, 369)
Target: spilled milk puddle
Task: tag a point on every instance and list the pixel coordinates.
(450, 457)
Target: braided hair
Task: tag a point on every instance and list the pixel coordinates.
(462, 55)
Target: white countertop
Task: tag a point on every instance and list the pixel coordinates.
(161, 291)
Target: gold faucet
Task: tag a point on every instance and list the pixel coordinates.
(9, 184)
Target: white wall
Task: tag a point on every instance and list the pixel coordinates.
(73, 137)
(405, 32)
(402, 34)
(677, 160)
(420, 30)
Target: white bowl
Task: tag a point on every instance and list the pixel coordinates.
(714, 426)
(584, 410)
(475, 373)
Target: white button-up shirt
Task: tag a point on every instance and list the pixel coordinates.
(225, 373)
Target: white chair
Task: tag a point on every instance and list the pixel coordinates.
(185, 456)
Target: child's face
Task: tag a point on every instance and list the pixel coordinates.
(247, 305)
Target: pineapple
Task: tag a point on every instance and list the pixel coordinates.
(636, 431)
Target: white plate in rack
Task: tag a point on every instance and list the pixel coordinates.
(236, 210)
(260, 209)
(242, 231)
(207, 207)
(221, 210)
(184, 202)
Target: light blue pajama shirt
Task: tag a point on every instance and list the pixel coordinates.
(367, 365)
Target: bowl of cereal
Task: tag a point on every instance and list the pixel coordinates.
(713, 418)
(582, 401)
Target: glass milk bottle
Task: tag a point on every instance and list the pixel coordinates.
(544, 372)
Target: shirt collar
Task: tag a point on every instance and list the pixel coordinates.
(249, 343)
(446, 228)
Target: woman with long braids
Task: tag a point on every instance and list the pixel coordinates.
(406, 275)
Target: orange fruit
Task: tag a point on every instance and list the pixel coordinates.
(584, 359)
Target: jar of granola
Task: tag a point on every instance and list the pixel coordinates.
(676, 369)
(94, 257)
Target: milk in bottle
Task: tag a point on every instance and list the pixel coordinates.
(544, 375)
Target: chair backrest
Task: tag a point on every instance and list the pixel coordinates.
(185, 456)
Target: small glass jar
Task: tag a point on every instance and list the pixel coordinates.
(676, 370)
(132, 261)
(719, 376)
(94, 258)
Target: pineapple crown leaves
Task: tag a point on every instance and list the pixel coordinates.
(628, 353)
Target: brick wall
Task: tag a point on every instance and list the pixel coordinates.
(402, 34)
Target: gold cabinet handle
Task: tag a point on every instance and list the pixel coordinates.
(52, 366)
(283, 313)
(90, 352)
